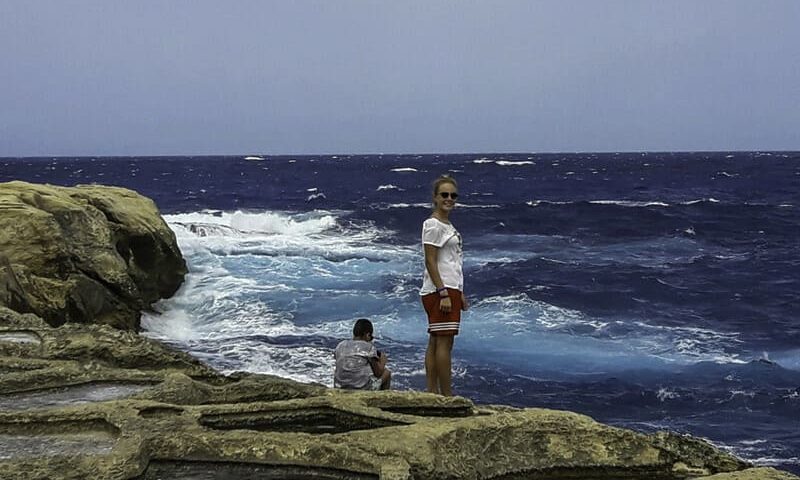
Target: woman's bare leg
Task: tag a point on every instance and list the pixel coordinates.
(443, 351)
(431, 370)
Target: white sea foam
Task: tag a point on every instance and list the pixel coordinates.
(428, 205)
(700, 200)
(408, 205)
(753, 442)
(503, 163)
(629, 203)
(691, 344)
(753, 451)
(276, 274)
(536, 203)
(665, 394)
(388, 187)
(509, 163)
(404, 169)
(482, 160)
(273, 291)
(260, 222)
(518, 322)
(741, 393)
(772, 461)
(622, 203)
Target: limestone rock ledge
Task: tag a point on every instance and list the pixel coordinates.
(85, 254)
(89, 401)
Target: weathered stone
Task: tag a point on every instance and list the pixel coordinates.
(182, 412)
(753, 474)
(86, 254)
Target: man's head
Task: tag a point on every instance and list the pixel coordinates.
(363, 329)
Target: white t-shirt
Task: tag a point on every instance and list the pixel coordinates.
(353, 369)
(449, 258)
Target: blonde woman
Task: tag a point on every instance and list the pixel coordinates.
(442, 289)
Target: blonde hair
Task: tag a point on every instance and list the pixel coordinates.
(439, 182)
(442, 180)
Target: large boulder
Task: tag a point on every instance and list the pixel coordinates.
(85, 254)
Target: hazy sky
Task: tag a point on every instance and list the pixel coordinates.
(107, 77)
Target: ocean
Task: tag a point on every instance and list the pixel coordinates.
(654, 291)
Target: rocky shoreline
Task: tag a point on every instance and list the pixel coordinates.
(82, 395)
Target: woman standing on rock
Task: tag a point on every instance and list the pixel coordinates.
(442, 289)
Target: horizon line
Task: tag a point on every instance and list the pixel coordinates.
(577, 152)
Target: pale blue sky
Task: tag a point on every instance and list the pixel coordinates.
(105, 77)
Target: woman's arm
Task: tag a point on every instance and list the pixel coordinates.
(431, 263)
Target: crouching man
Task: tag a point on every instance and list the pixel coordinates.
(359, 365)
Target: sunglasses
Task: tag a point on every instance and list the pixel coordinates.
(452, 195)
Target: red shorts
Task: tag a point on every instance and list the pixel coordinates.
(440, 323)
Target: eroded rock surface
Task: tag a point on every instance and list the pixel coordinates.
(86, 254)
(182, 418)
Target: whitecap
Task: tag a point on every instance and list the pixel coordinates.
(773, 461)
(752, 442)
(427, 205)
(692, 343)
(536, 203)
(388, 187)
(700, 200)
(408, 205)
(509, 163)
(266, 222)
(315, 196)
(629, 203)
(474, 205)
(256, 158)
(404, 169)
(664, 394)
(288, 267)
(741, 393)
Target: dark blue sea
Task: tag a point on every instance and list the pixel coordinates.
(647, 290)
